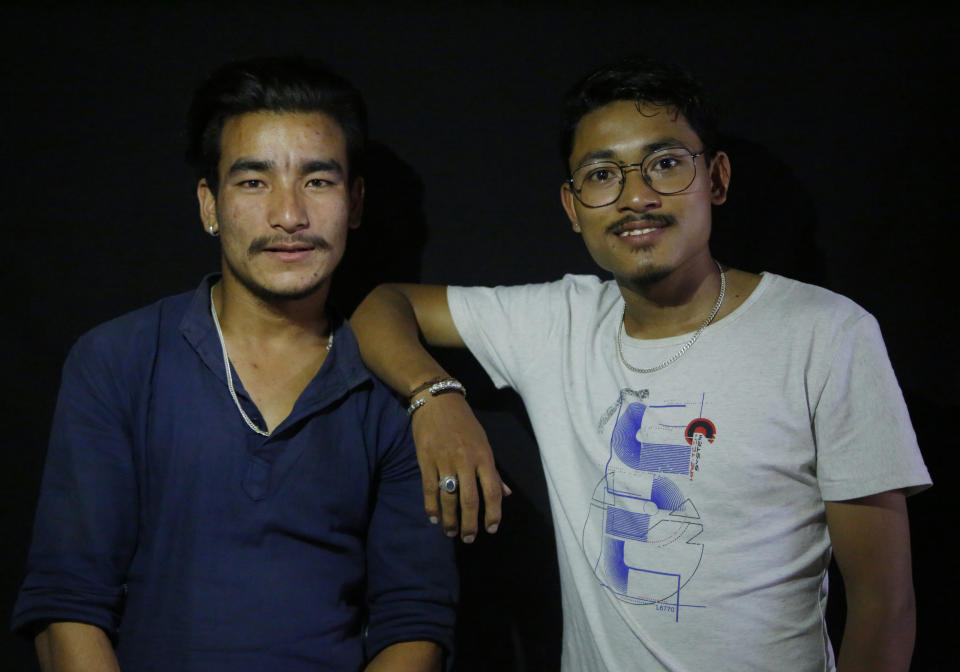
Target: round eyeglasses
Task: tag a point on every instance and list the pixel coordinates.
(666, 171)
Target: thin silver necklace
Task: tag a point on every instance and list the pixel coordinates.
(226, 368)
(685, 346)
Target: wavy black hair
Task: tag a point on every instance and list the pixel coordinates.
(640, 80)
(286, 84)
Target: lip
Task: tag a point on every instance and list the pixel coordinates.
(290, 253)
(638, 234)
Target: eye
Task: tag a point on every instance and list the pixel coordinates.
(318, 183)
(251, 184)
(601, 175)
(665, 163)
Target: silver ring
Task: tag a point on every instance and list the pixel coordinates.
(448, 484)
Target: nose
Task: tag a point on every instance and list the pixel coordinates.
(637, 194)
(287, 210)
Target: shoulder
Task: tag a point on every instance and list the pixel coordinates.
(134, 335)
(385, 404)
(803, 303)
(380, 409)
(568, 289)
(814, 324)
(588, 288)
(515, 318)
(386, 428)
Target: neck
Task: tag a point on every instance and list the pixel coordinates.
(245, 316)
(672, 304)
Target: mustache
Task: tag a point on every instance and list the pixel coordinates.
(649, 218)
(262, 243)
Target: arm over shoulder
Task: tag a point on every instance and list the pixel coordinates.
(450, 441)
(388, 325)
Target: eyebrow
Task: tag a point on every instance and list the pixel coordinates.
(261, 166)
(253, 165)
(609, 154)
(321, 166)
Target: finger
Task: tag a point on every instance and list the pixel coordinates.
(428, 475)
(492, 486)
(469, 506)
(448, 506)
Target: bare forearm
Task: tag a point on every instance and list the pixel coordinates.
(871, 542)
(75, 647)
(387, 330)
(879, 633)
(450, 442)
(407, 657)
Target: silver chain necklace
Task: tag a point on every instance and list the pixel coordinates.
(226, 368)
(685, 346)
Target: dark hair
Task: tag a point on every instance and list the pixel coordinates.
(279, 85)
(641, 80)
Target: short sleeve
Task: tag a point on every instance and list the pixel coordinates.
(507, 328)
(865, 441)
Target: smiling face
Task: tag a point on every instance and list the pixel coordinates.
(284, 204)
(644, 236)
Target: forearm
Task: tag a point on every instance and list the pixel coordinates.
(75, 647)
(450, 442)
(871, 543)
(388, 333)
(879, 632)
(407, 657)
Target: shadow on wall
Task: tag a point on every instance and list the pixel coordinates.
(510, 616)
(769, 222)
(510, 584)
(388, 246)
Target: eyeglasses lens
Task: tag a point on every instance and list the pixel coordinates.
(667, 171)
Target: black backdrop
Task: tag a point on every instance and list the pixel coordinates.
(843, 150)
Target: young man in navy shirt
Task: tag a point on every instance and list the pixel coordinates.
(227, 487)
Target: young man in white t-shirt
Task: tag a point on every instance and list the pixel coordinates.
(709, 436)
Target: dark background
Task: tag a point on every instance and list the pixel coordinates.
(842, 143)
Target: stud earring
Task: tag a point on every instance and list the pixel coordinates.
(211, 231)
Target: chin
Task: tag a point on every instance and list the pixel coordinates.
(273, 295)
(276, 292)
(650, 276)
(643, 274)
(271, 285)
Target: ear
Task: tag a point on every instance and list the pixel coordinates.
(357, 191)
(719, 178)
(208, 208)
(568, 200)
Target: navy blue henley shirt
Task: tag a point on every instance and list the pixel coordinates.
(199, 545)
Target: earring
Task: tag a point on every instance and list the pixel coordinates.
(212, 232)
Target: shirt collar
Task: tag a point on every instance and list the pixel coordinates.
(342, 371)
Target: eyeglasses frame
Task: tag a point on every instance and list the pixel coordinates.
(627, 167)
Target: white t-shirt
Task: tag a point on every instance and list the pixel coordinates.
(688, 503)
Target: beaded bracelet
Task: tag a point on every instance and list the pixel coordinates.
(433, 381)
(443, 385)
